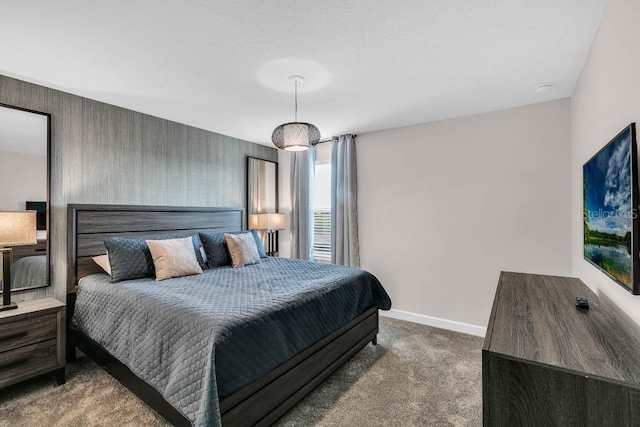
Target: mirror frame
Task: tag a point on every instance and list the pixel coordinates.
(48, 212)
(248, 196)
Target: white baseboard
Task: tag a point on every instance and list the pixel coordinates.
(436, 322)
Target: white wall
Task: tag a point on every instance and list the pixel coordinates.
(606, 99)
(24, 178)
(445, 206)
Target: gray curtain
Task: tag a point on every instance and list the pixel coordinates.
(302, 168)
(345, 248)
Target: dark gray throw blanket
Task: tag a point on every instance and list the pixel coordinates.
(198, 339)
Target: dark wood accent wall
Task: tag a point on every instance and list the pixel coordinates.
(105, 154)
(547, 363)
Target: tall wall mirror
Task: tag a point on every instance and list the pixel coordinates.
(25, 146)
(262, 201)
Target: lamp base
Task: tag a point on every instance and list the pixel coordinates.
(10, 306)
(271, 248)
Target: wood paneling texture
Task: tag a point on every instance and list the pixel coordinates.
(546, 362)
(23, 251)
(101, 153)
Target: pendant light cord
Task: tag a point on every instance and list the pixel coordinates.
(296, 101)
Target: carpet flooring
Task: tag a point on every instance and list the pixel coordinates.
(415, 376)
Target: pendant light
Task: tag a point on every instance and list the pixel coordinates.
(295, 136)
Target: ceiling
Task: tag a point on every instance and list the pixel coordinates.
(369, 64)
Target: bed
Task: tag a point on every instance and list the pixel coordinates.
(284, 326)
(28, 272)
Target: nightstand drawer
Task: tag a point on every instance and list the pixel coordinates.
(28, 361)
(27, 331)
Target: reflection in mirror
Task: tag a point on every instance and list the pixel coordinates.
(261, 178)
(24, 162)
(262, 193)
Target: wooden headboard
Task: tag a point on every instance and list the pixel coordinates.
(89, 225)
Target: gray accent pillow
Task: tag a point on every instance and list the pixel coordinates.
(243, 249)
(217, 251)
(131, 258)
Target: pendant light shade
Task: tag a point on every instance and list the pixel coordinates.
(295, 136)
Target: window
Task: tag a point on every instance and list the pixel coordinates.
(322, 205)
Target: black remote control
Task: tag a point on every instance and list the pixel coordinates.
(582, 302)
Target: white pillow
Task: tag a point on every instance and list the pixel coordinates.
(174, 258)
(243, 249)
(103, 262)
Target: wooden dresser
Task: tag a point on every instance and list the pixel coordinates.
(547, 363)
(32, 341)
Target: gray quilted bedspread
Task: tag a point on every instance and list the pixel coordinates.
(29, 271)
(198, 339)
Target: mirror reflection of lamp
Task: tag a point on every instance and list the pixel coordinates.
(270, 222)
(16, 228)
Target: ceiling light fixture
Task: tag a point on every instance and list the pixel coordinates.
(543, 87)
(295, 136)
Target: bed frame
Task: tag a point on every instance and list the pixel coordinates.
(259, 403)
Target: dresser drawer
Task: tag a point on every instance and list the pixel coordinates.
(28, 361)
(27, 331)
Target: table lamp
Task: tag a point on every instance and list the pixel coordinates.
(270, 222)
(16, 228)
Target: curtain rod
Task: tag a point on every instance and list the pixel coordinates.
(327, 140)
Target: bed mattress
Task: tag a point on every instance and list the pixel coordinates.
(198, 339)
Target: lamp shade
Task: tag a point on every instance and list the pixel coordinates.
(17, 228)
(266, 221)
(295, 136)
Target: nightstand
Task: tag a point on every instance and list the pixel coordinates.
(32, 341)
